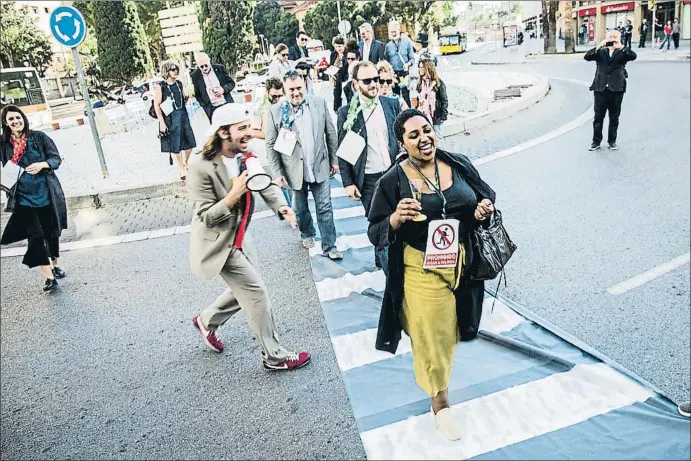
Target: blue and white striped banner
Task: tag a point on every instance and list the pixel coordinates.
(519, 391)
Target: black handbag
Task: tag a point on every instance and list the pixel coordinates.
(492, 249)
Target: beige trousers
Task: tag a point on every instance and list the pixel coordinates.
(246, 291)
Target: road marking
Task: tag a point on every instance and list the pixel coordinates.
(357, 349)
(645, 277)
(509, 416)
(573, 124)
(342, 287)
(344, 243)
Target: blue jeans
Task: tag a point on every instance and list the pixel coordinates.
(325, 215)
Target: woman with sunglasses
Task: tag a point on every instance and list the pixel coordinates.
(344, 81)
(432, 98)
(433, 301)
(177, 137)
(40, 212)
(280, 64)
(387, 80)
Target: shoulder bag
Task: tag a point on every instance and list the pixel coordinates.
(492, 248)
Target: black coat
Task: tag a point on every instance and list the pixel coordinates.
(611, 70)
(355, 174)
(340, 90)
(17, 231)
(391, 188)
(294, 53)
(441, 110)
(200, 92)
(376, 52)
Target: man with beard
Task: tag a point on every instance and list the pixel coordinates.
(372, 117)
(400, 54)
(220, 243)
(212, 85)
(301, 147)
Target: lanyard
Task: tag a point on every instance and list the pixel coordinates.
(436, 188)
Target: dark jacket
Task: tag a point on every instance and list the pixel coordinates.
(441, 111)
(376, 52)
(392, 187)
(611, 72)
(340, 90)
(17, 231)
(200, 86)
(294, 53)
(355, 174)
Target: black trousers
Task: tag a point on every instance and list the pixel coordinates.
(44, 243)
(675, 39)
(607, 102)
(641, 43)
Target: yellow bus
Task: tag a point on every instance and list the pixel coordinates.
(21, 86)
(453, 43)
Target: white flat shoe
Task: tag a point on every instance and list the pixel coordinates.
(447, 424)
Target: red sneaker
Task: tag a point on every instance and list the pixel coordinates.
(209, 336)
(294, 361)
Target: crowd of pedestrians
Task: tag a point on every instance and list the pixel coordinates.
(388, 149)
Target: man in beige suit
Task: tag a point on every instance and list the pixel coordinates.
(220, 244)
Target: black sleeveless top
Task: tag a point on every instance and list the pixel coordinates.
(461, 203)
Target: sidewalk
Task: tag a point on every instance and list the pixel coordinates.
(531, 51)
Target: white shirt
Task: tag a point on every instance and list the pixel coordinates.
(365, 51)
(377, 139)
(232, 167)
(211, 81)
(303, 124)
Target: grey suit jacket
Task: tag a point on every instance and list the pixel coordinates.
(325, 145)
(214, 225)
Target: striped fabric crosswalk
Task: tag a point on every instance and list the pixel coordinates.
(517, 390)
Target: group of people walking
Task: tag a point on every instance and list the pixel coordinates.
(388, 152)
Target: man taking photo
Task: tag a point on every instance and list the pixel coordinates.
(609, 85)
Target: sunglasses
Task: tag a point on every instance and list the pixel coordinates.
(284, 54)
(275, 97)
(174, 69)
(351, 59)
(367, 81)
(386, 82)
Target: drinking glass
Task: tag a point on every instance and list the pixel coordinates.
(416, 186)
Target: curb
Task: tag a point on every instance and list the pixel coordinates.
(124, 194)
(461, 126)
(544, 59)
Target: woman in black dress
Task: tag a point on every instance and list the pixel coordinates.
(169, 104)
(40, 213)
(427, 294)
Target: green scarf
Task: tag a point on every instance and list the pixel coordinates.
(357, 104)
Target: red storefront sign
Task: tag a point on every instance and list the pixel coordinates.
(630, 6)
(587, 12)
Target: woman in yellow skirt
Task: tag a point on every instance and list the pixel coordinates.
(428, 293)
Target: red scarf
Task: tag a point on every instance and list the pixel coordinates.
(19, 149)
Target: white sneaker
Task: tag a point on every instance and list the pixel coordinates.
(447, 424)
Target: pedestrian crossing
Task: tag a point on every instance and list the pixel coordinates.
(518, 391)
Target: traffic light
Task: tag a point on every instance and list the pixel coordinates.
(470, 5)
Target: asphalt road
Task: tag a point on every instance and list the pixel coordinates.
(110, 366)
(586, 221)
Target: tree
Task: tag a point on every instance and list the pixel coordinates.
(478, 19)
(321, 22)
(449, 19)
(569, 40)
(21, 42)
(123, 49)
(549, 25)
(148, 15)
(228, 32)
(277, 26)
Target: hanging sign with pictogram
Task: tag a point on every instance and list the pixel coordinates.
(442, 244)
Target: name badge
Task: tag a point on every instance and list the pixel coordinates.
(285, 142)
(351, 147)
(442, 244)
